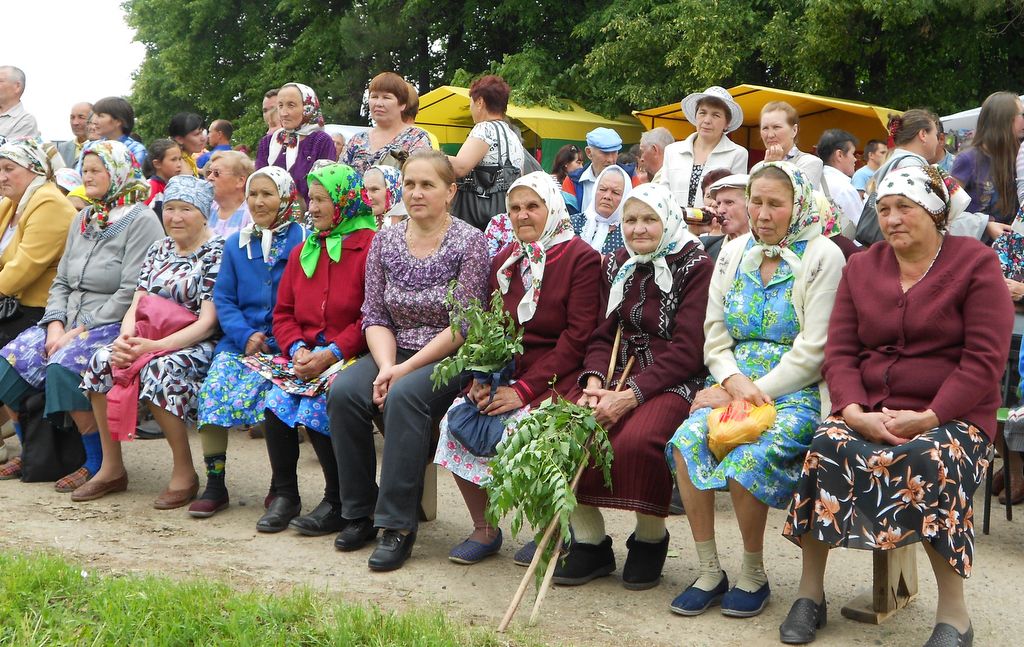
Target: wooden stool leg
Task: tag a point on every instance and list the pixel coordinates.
(894, 585)
(428, 502)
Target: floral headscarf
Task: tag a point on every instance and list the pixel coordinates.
(925, 186)
(531, 256)
(126, 183)
(67, 178)
(288, 211)
(393, 205)
(28, 153)
(829, 213)
(674, 237)
(596, 228)
(191, 190)
(804, 222)
(345, 187)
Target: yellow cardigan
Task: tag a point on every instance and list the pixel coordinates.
(29, 262)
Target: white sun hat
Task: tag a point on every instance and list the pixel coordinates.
(689, 106)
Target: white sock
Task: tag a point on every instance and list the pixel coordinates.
(752, 575)
(709, 567)
(587, 524)
(649, 529)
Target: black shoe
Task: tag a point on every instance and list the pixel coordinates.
(804, 619)
(644, 563)
(585, 562)
(281, 511)
(322, 520)
(946, 635)
(392, 550)
(355, 535)
(676, 507)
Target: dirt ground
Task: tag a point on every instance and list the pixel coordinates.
(123, 533)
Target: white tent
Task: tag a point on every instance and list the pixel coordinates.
(965, 120)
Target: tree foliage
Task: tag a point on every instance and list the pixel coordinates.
(217, 57)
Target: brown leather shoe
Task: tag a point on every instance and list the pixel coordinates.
(170, 499)
(95, 489)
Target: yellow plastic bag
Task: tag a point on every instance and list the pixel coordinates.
(736, 424)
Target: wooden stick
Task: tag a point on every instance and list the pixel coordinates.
(518, 597)
(611, 362)
(549, 574)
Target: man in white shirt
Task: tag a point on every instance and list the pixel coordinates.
(838, 150)
(14, 120)
(875, 152)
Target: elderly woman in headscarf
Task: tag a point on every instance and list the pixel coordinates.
(549, 283)
(94, 285)
(600, 224)
(383, 187)
(34, 222)
(317, 323)
(655, 291)
(245, 294)
(765, 330)
(301, 139)
(164, 349)
(917, 344)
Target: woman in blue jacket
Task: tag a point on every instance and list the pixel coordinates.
(245, 294)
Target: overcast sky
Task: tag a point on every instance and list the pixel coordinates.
(70, 51)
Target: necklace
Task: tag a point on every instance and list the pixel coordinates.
(417, 248)
(907, 284)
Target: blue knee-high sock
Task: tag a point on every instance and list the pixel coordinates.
(17, 432)
(93, 452)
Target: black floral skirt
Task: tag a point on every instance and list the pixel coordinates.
(857, 494)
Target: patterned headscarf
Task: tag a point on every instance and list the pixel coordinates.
(194, 191)
(804, 222)
(531, 256)
(596, 228)
(829, 212)
(674, 237)
(126, 183)
(393, 205)
(28, 153)
(923, 185)
(288, 211)
(312, 117)
(345, 187)
(67, 178)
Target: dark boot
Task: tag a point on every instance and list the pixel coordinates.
(585, 562)
(644, 563)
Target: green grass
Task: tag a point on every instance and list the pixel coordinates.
(45, 600)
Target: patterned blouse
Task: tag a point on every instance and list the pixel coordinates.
(357, 152)
(186, 280)
(406, 294)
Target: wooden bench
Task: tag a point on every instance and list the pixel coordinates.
(893, 586)
(428, 500)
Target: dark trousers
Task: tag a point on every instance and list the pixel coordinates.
(409, 410)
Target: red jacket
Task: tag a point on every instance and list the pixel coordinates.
(328, 303)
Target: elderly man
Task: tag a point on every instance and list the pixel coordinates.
(603, 146)
(219, 139)
(72, 148)
(730, 197)
(652, 151)
(270, 111)
(14, 121)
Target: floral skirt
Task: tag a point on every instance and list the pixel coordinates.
(26, 356)
(170, 381)
(233, 394)
(454, 457)
(294, 410)
(857, 494)
(768, 468)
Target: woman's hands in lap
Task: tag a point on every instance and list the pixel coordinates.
(505, 399)
(908, 424)
(386, 378)
(740, 387)
(712, 398)
(309, 364)
(57, 337)
(126, 349)
(889, 426)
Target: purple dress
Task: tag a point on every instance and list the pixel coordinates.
(317, 145)
(406, 294)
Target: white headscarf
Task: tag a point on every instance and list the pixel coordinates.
(531, 256)
(287, 212)
(595, 231)
(674, 237)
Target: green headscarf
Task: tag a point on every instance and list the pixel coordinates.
(351, 213)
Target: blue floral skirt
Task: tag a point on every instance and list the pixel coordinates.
(295, 410)
(233, 394)
(26, 356)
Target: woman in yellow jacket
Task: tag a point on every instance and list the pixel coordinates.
(34, 221)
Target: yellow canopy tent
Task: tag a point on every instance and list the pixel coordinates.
(817, 114)
(444, 111)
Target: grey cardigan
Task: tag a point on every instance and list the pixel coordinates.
(99, 272)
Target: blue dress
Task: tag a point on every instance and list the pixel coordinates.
(763, 322)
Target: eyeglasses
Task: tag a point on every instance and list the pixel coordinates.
(216, 173)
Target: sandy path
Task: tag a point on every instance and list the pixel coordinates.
(123, 533)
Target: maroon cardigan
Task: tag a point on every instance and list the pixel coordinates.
(664, 333)
(555, 339)
(942, 345)
(330, 302)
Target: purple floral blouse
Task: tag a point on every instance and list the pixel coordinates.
(406, 294)
(357, 152)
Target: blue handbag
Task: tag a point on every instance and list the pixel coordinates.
(478, 432)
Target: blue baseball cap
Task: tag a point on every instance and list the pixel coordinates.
(604, 139)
